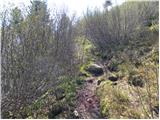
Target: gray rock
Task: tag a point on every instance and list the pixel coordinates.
(95, 70)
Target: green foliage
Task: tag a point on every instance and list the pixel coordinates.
(69, 85)
(154, 28)
(84, 47)
(16, 17)
(120, 97)
(84, 66)
(114, 102)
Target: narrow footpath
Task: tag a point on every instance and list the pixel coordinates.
(88, 106)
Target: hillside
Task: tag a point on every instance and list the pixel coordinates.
(104, 65)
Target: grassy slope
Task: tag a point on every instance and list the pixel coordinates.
(125, 100)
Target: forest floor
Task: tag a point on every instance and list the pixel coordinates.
(88, 105)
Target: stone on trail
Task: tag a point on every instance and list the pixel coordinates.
(76, 113)
(95, 70)
(89, 100)
(113, 78)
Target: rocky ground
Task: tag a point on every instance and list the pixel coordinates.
(88, 104)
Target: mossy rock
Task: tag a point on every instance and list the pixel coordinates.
(95, 70)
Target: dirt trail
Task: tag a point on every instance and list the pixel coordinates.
(88, 106)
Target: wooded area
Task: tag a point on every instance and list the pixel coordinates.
(103, 65)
